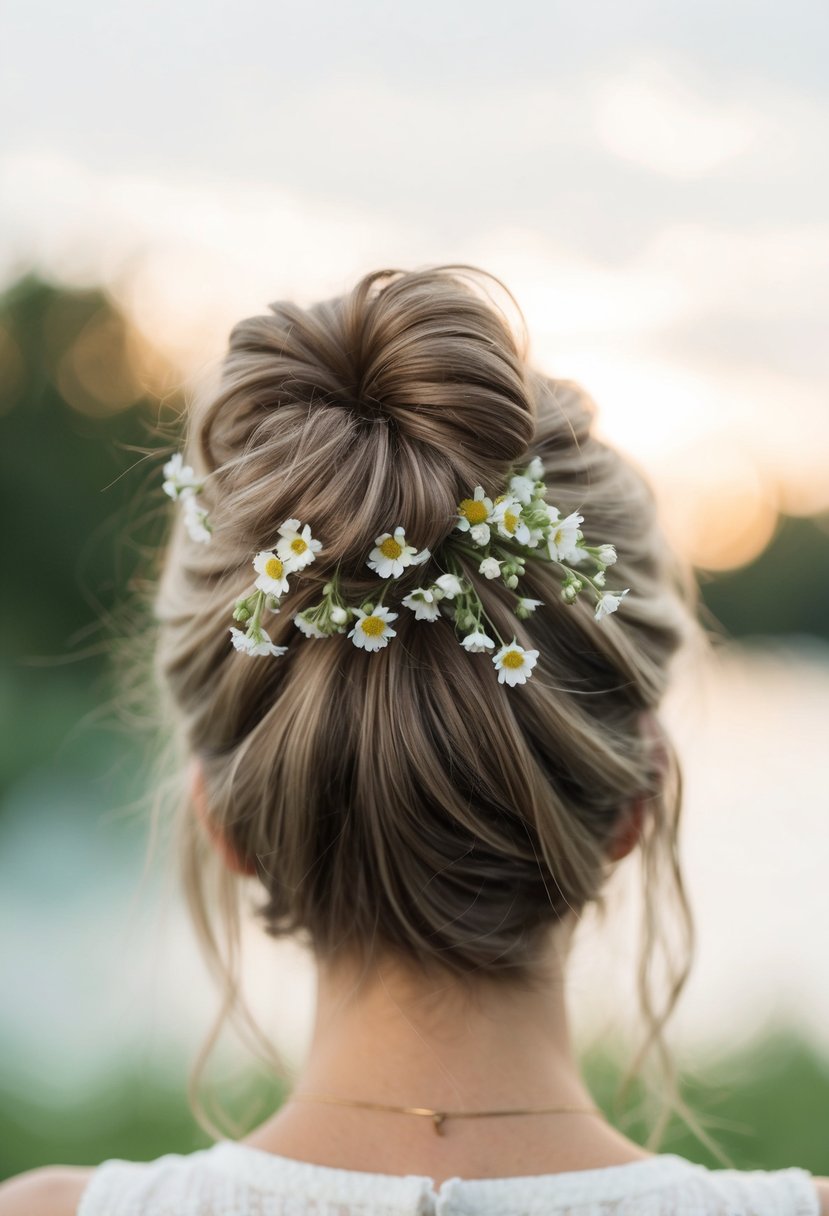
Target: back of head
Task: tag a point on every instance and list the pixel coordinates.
(405, 800)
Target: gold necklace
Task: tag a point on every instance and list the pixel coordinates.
(438, 1117)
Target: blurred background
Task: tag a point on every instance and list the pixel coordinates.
(649, 180)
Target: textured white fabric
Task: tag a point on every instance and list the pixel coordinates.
(231, 1179)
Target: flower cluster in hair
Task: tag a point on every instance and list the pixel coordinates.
(502, 535)
(181, 483)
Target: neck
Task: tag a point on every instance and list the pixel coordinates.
(390, 1038)
(394, 1039)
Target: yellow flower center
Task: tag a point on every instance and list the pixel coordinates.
(513, 658)
(273, 567)
(372, 625)
(510, 521)
(473, 509)
(500, 498)
(298, 545)
(390, 548)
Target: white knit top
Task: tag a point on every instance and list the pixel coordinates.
(231, 1179)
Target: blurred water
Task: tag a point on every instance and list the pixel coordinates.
(97, 966)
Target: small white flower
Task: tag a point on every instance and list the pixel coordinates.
(479, 535)
(391, 555)
(271, 571)
(535, 469)
(507, 515)
(474, 511)
(525, 607)
(179, 478)
(523, 488)
(490, 567)
(449, 584)
(195, 519)
(424, 603)
(563, 536)
(260, 643)
(607, 555)
(599, 578)
(310, 628)
(372, 629)
(338, 615)
(609, 602)
(297, 548)
(477, 642)
(514, 664)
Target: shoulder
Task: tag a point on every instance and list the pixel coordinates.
(52, 1190)
(822, 1187)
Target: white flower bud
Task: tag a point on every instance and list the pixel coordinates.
(449, 584)
(490, 567)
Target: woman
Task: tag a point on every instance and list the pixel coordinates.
(415, 622)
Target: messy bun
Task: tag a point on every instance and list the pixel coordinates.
(404, 801)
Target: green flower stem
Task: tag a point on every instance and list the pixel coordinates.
(255, 622)
(383, 590)
(491, 625)
(581, 576)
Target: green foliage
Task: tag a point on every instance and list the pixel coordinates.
(784, 591)
(763, 1104)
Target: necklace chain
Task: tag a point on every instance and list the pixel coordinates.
(438, 1117)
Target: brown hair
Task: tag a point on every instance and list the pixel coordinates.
(405, 801)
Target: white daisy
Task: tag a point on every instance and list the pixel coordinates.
(424, 602)
(372, 629)
(297, 548)
(474, 512)
(477, 642)
(563, 536)
(490, 567)
(195, 519)
(450, 585)
(391, 555)
(514, 663)
(271, 571)
(606, 555)
(179, 478)
(609, 602)
(507, 515)
(259, 643)
(479, 534)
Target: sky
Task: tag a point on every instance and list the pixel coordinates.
(650, 180)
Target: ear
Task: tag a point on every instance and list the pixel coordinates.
(631, 820)
(198, 797)
(628, 830)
